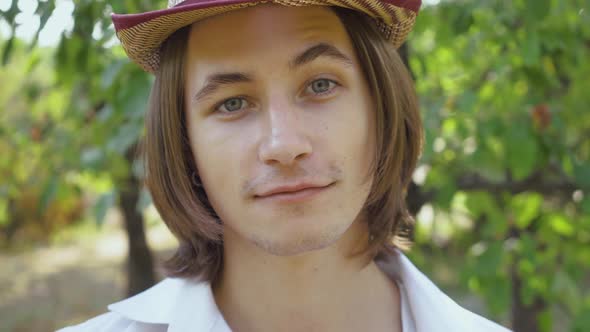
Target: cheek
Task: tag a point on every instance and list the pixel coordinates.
(219, 155)
(352, 132)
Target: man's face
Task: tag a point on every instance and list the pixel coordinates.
(276, 103)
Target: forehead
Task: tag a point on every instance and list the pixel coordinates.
(263, 31)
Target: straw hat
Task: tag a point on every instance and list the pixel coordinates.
(142, 34)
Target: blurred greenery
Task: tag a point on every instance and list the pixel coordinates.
(504, 179)
(504, 92)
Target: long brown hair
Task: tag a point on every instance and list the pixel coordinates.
(173, 181)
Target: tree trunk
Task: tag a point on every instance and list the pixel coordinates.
(140, 268)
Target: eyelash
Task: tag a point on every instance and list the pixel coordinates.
(333, 84)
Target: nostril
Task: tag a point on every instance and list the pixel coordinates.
(284, 150)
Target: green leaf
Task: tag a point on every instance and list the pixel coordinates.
(125, 136)
(109, 75)
(531, 49)
(582, 174)
(480, 203)
(34, 60)
(536, 10)
(527, 247)
(561, 224)
(8, 50)
(526, 207)
(545, 320)
(44, 10)
(490, 261)
(91, 157)
(103, 204)
(581, 321)
(49, 191)
(132, 99)
(3, 212)
(522, 152)
(445, 187)
(498, 294)
(586, 205)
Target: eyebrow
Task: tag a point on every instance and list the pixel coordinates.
(217, 80)
(318, 50)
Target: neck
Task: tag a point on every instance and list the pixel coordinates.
(323, 290)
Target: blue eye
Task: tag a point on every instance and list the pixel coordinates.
(232, 105)
(322, 86)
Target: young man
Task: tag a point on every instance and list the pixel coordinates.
(279, 142)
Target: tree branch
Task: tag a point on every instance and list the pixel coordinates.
(536, 182)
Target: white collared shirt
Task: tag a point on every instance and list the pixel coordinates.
(180, 305)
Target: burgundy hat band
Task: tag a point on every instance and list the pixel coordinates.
(142, 34)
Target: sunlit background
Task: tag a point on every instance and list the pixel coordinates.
(501, 195)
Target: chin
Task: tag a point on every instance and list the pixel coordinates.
(296, 244)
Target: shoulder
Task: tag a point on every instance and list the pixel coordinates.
(111, 322)
(106, 322)
(167, 303)
(430, 308)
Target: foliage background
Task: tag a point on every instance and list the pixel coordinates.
(502, 194)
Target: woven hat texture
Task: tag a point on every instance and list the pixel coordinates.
(142, 34)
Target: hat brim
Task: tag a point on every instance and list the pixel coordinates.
(142, 34)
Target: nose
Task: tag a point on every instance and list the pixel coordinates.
(286, 141)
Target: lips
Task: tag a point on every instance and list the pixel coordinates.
(292, 193)
(288, 189)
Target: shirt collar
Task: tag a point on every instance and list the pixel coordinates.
(432, 309)
(177, 302)
(182, 303)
